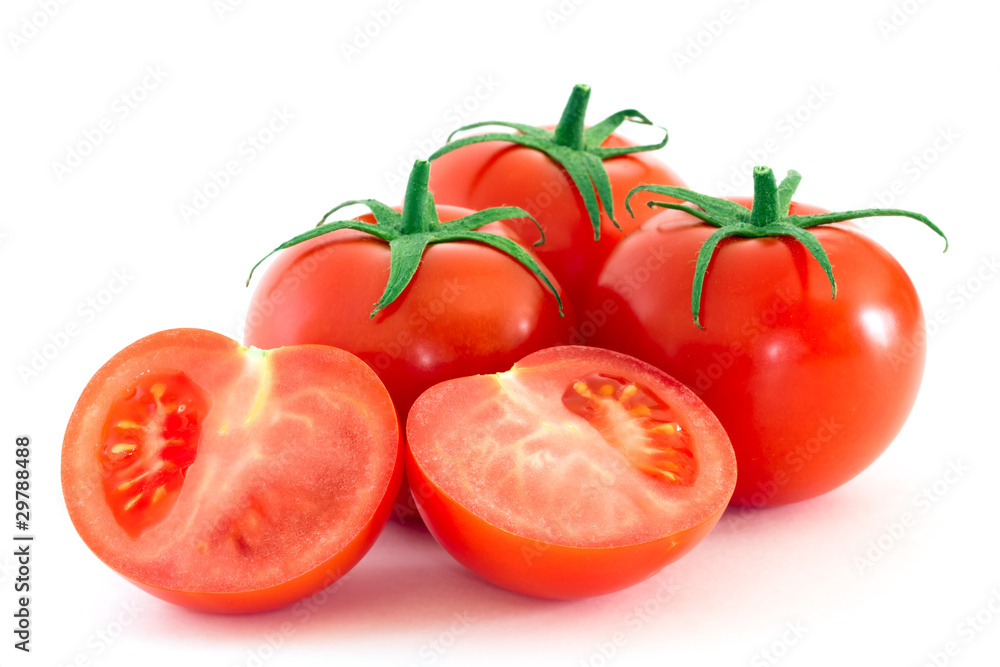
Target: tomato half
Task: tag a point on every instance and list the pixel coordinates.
(230, 479)
(578, 472)
(498, 173)
(811, 389)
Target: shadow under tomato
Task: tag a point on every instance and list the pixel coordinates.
(406, 583)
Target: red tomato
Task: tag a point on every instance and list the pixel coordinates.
(228, 479)
(498, 173)
(811, 389)
(578, 472)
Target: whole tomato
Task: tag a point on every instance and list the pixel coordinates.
(449, 300)
(736, 304)
(567, 177)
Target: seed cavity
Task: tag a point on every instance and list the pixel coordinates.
(635, 421)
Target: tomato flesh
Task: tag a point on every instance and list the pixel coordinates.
(229, 479)
(586, 456)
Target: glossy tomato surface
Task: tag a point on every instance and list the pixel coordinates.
(228, 479)
(497, 173)
(810, 389)
(578, 472)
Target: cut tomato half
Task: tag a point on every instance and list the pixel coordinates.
(578, 472)
(226, 478)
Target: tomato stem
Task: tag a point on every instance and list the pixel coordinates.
(768, 217)
(576, 148)
(408, 233)
(416, 212)
(569, 131)
(766, 205)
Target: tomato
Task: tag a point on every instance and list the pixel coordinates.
(499, 172)
(578, 472)
(230, 479)
(811, 389)
(469, 307)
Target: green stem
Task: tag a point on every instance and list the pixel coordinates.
(569, 131)
(415, 199)
(766, 202)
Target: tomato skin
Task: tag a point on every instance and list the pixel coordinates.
(536, 568)
(811, 389)
(468, 309)
(167, 560)
(548, 569)
(497, 173)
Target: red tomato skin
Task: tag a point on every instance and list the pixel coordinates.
(227, 365)
(498, 173)
(469, 308)
(810, 389)
(536, 568)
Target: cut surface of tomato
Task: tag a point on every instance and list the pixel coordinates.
(226, 478)
(598, 457)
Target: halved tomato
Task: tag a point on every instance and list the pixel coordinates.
(225, 478)
(578, 472)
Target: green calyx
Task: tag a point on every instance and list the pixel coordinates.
(410, 231)
(768, 217)
(575, 147)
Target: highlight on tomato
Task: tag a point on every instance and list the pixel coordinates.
(801, 333)
(421, 294)
(578, 472)
(230, 479)
(569, 177)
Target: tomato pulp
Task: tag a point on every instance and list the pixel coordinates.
(230, 479)
(578, 472)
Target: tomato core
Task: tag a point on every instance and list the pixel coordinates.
(149, 440)
(633, 420)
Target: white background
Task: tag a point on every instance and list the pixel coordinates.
(869, 96)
